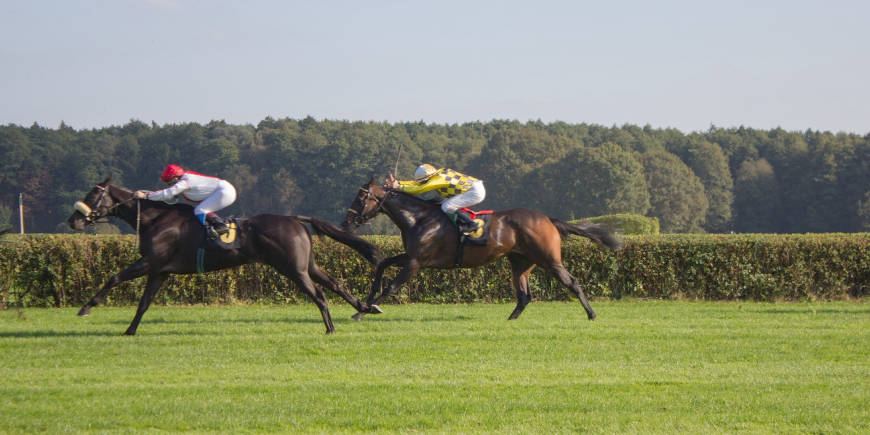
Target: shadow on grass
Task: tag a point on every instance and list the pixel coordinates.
(302, 320)
(386, 318)
(55, 333)
(808, 310)
(160, 320)
(104, 333)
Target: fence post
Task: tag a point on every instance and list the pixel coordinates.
(21, 212)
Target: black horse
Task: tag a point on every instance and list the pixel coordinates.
(528, 238)
(170, 236)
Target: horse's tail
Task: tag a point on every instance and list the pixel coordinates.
(600, 234)
(366, 249)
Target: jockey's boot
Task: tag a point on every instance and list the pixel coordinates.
(464, 223)
(211, 233)
(216, 226)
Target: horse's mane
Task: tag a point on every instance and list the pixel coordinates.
(163, 205)
(430, 202)
(156, 204)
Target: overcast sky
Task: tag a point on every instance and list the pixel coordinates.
(684, 64)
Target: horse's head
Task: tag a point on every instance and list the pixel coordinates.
(97, 204)
(365, 206)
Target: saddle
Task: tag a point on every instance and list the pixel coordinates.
(481, 235)
(478, 237)
(228, 241)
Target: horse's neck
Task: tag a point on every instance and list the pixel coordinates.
(406, 210)
(120, 195)
(139, 213)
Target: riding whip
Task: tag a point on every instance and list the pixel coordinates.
(396, 169)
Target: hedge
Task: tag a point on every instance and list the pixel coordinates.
(66, 270)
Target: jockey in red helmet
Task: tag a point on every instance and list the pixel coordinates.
(206, 193)
(171, 171)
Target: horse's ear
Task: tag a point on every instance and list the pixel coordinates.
(106, 181)
(372, 181)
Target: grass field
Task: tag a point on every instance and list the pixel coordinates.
(641, 367)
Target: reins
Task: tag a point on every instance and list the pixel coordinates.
(360, 218)
(92, 216)
(138, 220)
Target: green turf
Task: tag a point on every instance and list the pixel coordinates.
(641, 367)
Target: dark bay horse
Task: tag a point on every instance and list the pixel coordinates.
(170, 235)
(528, 239)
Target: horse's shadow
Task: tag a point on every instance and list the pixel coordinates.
(47, 333)
(54, 333)
(301, 320)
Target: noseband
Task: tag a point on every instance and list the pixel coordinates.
(92, 215)
(358, 217)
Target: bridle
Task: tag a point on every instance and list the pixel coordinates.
(359, 217)
(98, 211)
(91, 214)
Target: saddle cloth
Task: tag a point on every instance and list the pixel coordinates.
(481, 236)
(230, 240)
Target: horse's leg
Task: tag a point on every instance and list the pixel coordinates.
(521, 267)
(569, 281)
(296, 268)
(409, 269)
(305, 283)
(326, 280)
(377, 284)
(294, 261)
(155, 280)
(135, 270)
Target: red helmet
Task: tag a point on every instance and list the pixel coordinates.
(170, 172)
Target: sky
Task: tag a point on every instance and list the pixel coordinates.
(687, 65)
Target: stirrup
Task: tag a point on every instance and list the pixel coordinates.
(211, 233)
(220, 227)
(467, 225)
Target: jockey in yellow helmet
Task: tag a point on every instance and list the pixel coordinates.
(458, 189)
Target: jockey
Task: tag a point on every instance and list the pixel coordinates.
(460, 190)
(208, 194)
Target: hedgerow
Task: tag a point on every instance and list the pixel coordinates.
(66, 270)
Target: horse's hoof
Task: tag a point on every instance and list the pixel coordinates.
(84, 311)
(374, 309)
(358, 316)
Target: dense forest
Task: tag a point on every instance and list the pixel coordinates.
(722, 180)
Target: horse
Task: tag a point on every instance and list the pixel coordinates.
(170, 236)
(528, 239)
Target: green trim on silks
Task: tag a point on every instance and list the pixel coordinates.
(200, 260)
(453, 217)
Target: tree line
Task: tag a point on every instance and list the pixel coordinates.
(720, 180)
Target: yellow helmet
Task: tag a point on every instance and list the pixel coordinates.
(423, 172)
